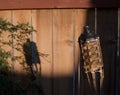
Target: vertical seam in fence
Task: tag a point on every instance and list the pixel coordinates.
(118, 38)
(73, 30)
(95, 20)
(31, 23)
(52, 10)
(116, 91)
(79, 75)
(31, 40)
(12, 19)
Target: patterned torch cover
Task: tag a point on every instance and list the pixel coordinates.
(91, 54)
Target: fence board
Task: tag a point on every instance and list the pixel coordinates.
(43, 24)
(107, 29)
(6, 15)
(89, 21)
(20, 16)
(79, 23)
(63, 46)
(117, 81)
(118, 51)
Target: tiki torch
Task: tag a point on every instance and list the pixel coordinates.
(91, 56)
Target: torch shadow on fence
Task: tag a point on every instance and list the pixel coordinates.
(32, 58)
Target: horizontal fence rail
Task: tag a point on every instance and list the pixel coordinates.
(36, 4)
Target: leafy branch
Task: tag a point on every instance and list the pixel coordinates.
(16, 36)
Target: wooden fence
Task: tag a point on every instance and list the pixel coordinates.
(57, 37)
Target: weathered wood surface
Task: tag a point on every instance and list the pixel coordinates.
(35, 4)
(7, 16)
(62, 47)
(107, 29)
(43, 39)
(79, 22)
(56, 38)
(21, 16)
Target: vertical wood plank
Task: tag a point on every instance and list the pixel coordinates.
(118, 59)
(6, 15)
(20, 16)
(90, 19)
(107, 29)
(63, 51)
(80, 21)
(118, 51)
(117, 81)
(42, 20)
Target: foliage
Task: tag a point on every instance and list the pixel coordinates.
(16, 36)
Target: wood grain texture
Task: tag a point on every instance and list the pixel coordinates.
(6, 15)
(89, 20)
(56, 38)
(117, 67)
(63, 51)
(19, 16)
(35, 4)
(107, 30)
(42, 20)
(79, 23)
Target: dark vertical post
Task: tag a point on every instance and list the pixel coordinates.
(117, 67)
